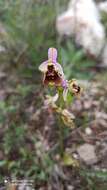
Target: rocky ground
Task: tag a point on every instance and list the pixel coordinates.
(86, 144)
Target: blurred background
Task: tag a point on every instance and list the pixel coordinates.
(28, 130)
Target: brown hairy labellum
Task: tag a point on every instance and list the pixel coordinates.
(52, 76)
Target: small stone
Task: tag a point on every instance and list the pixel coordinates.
(104, 170)
(75, 155)
(57, 157)
(2, 75)
(46, 128)
(70, 187)
(98, 143)
(88, 131)
(87, 104)
(87, 153)
(2, 49)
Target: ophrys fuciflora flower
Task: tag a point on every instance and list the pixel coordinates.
(53, 75)
(52, 71)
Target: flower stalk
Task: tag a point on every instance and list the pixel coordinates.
(53, 76)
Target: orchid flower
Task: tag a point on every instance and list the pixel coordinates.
(51, 100)
(73, 87)
(52, 70)
(53, 75)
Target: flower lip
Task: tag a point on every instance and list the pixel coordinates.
(52, 76)
(74, 87)
(50, 68)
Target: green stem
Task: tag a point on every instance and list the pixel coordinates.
(61, 138)
(60, 126)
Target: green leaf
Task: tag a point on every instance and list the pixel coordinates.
(42, 175)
